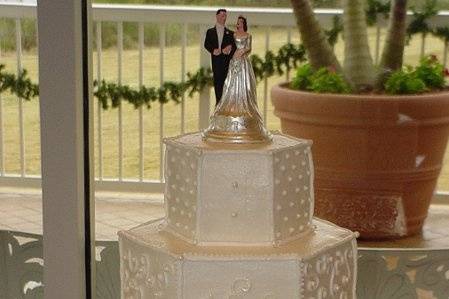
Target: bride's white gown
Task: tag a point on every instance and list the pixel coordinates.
(236, 118)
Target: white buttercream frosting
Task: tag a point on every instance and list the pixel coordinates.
(323, 261)
(239, 224)
(238, 194)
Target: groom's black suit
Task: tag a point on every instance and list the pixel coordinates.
(220, 63)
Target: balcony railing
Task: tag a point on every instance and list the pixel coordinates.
(267, 21)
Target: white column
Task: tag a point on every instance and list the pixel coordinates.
(99, 106)
(64, 77)
(204, 109)
(21, 117)
(183, 75)
(162, 41)
(141, 35)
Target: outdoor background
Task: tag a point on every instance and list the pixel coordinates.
(172, 61)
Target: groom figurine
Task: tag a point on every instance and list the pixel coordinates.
(220, 44)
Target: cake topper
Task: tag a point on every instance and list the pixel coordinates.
(237, 118)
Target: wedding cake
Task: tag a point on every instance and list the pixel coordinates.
(239, 213)
(239, 224)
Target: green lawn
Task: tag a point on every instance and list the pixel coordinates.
(442, 4)
(172, 112)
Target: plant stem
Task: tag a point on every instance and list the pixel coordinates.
(393, 52)
(318, 49)
(358, 64)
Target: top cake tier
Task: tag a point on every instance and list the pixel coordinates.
(219, 194)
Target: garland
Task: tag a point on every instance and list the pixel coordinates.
(419, 23)
(377, 8)
(111, 94)
(333, 33)
(442, 33)
(287, 58)
(22, 86)
(145, 96)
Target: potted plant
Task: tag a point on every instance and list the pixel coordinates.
(379, 132)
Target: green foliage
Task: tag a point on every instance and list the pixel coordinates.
(288, 57)
(428, 75)
(173, 34)
(8, 34)
(130, 31)
(333, 33)
(419, 23)
(329, 81)
(404, 82)
(111, 94)
(302, 79)
(376, 8)
(431, 72)
(324, 80)
(443, 4)
(173, 31)
(19, 85)
(225, 3)
(442, 33)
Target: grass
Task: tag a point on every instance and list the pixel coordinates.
(7, 26)
(442, 4)
(172, 112)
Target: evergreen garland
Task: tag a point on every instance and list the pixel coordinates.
(442, 33)
(419, 22)
(112, 94)
(20, 85)
(376, 8)
(145, 96)
(333, 33)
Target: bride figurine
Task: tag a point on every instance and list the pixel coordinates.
(236, 118)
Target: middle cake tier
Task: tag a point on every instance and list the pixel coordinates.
(238, 194)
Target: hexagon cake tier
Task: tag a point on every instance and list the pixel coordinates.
(239, 224)
(238, 194)
(156, 264)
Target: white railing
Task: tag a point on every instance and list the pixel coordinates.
(186, 16)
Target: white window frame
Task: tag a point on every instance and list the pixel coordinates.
(66, 144)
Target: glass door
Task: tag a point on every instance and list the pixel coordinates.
(21, 233)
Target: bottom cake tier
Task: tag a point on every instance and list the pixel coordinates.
(155, 264)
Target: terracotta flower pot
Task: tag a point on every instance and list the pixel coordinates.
(377, 158)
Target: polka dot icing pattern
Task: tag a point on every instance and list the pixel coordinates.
(254, 196)
(181, 190)
(293, 192)
(236, 198)
(247, 202)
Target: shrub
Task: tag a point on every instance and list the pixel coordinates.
(302, 77)
(324, 80)
(428, 75)
(404, 82)
(431, 72)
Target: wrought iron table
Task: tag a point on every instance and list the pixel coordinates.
(409, 268)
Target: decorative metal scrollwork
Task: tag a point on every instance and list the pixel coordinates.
(395, 274)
